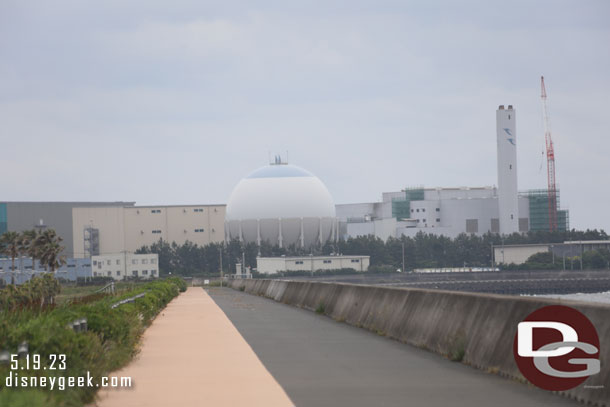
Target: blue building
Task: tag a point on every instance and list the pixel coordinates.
(23, 271)
(3, 219)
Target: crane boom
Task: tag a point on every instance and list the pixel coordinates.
(550, 161)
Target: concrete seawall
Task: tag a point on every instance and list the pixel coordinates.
(481, 326)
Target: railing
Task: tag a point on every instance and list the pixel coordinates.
(109, 288)
(128, 300)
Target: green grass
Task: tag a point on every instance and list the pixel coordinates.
(320, 309)
(457, 347)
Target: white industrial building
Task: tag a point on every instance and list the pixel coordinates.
(441, 211)
(274, 265)
(519, 253)
(125, 265)
(283, 205)
(453, 211)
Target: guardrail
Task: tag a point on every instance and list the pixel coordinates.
(127, 300)
(107, 288)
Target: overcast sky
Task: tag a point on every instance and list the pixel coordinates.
(174, 102)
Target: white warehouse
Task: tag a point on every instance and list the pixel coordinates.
(274, 265)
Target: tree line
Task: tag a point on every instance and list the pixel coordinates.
(591, 259)
(420, 251)
(43, 246)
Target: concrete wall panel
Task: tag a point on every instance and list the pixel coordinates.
(483, 325)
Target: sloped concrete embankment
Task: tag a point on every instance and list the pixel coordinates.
(482, 326)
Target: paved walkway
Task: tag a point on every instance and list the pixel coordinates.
(192, 355)
(320, 362)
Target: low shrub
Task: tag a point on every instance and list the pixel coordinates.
(178, 282)
(457, 347)
(320, 309)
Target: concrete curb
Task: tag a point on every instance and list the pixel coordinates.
(479, 326)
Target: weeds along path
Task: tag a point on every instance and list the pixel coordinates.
(192, 355)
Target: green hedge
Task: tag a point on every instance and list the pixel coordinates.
(109, 343)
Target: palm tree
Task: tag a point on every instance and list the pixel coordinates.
(22, 244)
(9, 245)
(50, 249)
(51, 256)
(32, 244)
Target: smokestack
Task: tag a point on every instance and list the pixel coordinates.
(508, 203)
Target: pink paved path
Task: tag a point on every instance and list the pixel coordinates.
(192, 355)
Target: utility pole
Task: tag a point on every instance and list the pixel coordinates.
(220, 255)
(403, 255)
(503, 260)
(311, 260)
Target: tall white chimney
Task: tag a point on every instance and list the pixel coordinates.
(508, 204)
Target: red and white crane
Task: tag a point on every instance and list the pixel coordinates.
(550, 162)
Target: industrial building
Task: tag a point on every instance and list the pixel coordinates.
(441, 211)
(519, 253)
(21, 216)
(283, 205)
(107, 230)
(124, 265)
(274, 265)
(453, 211)
(93, 228)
